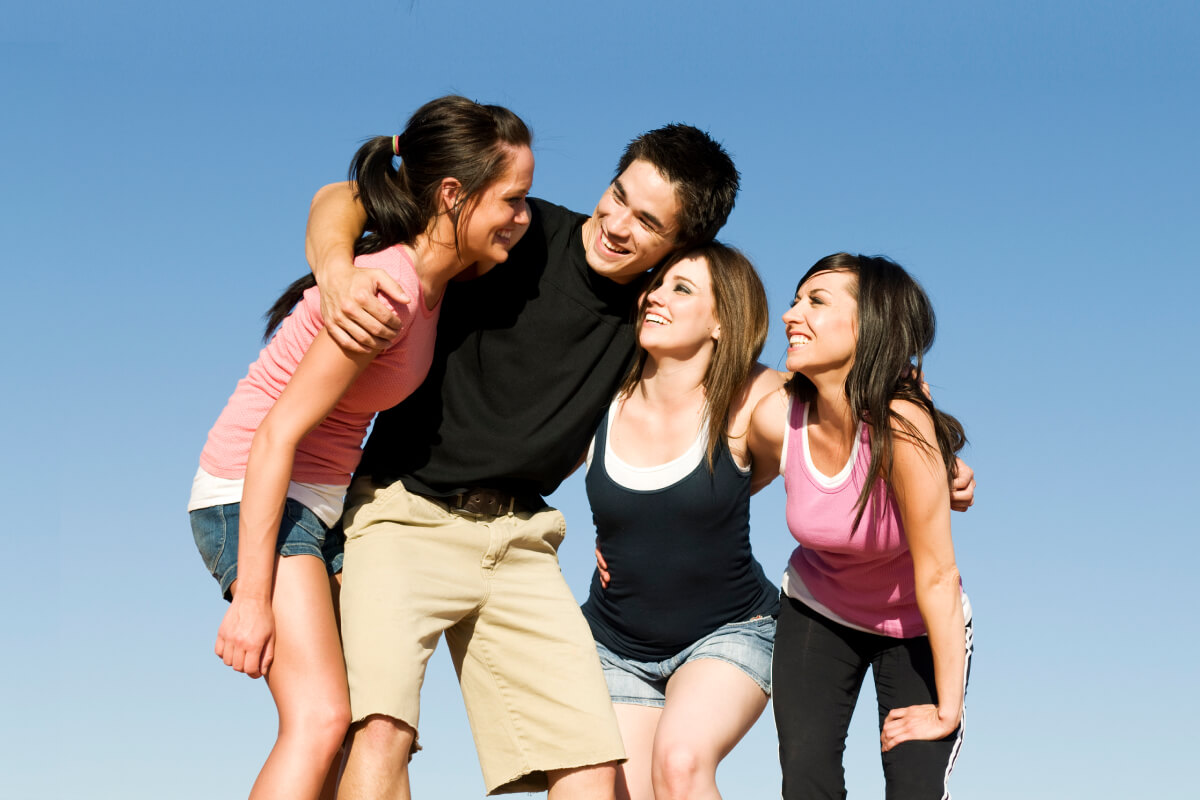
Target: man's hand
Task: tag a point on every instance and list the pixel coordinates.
(358, 320)
(602, 569)
(962, 490)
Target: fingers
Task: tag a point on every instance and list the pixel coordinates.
(912, 723)
(962, 495)
(602, 569)
(358, 318)
(386, 284)
(352, 338)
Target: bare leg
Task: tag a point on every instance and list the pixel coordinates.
(585, 783)
(307, 681)
(329, 790)
(711, 705)
(638, 725)
(377, 759)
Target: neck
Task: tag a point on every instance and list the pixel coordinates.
(436, 263)
(831, 406)
(673, 382)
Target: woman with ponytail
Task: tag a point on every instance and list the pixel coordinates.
(276, 465)
(867, 462)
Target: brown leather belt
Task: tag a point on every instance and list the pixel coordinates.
(492, 502)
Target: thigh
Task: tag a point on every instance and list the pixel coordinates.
(638, 724)
(818, 670)
(410, 570)
(308, 676)
(746, 645)
(904, 676)
(711, 705)
(528, 667)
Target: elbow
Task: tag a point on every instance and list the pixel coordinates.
(942, 579)
(324, 193)
(270, 438)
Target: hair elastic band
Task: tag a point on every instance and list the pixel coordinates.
(396, 145)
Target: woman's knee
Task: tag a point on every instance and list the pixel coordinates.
(322, 723)
(677, 768)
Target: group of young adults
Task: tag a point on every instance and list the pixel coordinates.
(502, 340)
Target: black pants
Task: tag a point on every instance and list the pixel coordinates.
(818, 670)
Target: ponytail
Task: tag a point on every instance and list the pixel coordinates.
(450, 137)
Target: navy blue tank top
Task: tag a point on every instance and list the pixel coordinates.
(679, 558)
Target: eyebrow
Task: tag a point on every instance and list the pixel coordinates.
(654, 221)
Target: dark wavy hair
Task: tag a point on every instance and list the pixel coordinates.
(896, 326)
(704, 177)
(450, 137)
(740, 304)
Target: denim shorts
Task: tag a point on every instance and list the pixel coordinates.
(746, 645)
(301, 532)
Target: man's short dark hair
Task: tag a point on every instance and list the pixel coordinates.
(703, 174)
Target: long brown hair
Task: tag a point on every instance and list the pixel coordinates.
(896, 326)
(740, 304)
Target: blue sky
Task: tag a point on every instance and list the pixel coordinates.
(1034, 166)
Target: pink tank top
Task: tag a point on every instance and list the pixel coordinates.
(330, 452)
(866, 579)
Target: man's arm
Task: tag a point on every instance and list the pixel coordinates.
(357, 320)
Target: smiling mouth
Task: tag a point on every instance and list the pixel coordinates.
(657, 319)
(798, 340)
(604, 240)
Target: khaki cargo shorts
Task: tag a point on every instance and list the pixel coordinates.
(527, 665)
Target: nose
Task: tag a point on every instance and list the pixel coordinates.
(522, 215)
(617, 220)
(793, 314)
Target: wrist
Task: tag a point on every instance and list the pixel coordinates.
(950, 716)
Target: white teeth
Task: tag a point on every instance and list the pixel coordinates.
(604, 240)
(798, 340)
(657, 319)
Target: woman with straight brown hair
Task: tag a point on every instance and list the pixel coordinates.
(685, 626)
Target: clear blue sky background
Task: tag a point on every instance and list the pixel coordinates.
(1034, 164)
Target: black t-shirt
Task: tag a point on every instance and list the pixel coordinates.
(527, 358)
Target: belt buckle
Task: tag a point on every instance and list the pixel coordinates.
(487, 502)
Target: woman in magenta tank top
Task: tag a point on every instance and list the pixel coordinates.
(276, 465)
(867, 461)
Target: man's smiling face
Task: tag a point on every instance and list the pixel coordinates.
(634, 225)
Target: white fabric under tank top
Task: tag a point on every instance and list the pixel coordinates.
(660, 476)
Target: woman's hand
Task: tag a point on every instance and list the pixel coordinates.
(913, 723)
(246, 638)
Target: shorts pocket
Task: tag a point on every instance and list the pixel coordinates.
(210, 529)
(304, 519)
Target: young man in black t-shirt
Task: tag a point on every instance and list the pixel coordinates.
(447, 531)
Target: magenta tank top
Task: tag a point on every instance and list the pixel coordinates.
(865, 578)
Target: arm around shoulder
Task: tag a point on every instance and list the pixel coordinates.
(768, 427)
(357, 320)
